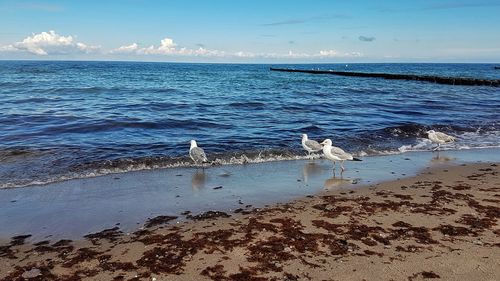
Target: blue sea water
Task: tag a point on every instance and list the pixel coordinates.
(61, 120)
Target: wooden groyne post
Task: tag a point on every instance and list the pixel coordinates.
(426, 78)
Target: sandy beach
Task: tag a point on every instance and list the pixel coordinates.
(249, 140)
(441, 224)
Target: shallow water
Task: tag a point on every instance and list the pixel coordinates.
(73, 208)
(63, 120)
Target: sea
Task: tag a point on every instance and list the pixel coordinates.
(62, 120)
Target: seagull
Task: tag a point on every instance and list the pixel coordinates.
(310, 146)
(197, 153)
(439, 138)
(334, 154)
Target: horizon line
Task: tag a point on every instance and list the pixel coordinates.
(248, 63)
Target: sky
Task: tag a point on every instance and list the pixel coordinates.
(251, 31)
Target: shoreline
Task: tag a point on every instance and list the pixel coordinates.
(74, 208)
(441, 223)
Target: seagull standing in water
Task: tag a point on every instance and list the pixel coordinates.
(439, 138)
(310, 146)
(197, 153)
(334, 154)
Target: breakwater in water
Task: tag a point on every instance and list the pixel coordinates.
(426, 78)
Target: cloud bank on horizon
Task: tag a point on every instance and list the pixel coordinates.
(51, 43)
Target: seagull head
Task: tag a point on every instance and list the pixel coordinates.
(327, 142)
(304, 137)
(193, 143)
(430, 132)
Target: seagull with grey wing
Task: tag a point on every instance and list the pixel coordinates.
(197, 154)
(439, 138)
(335, 154)
(310, 146)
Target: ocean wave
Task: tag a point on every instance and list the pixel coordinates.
(466, 139)
(251, 105)
(85, 90)
(35, 70)
(123, 165)
(85, 126)
(85, 119)
(117, 166)
(35, 100)
(8, 155)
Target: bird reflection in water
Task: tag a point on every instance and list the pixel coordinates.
(224, 174)
(335, 183)
(311, 169)
(198, 180)
(441, 159)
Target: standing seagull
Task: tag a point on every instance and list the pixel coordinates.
(334, 154)
(197, 153)
(439, 138)
(310, 146)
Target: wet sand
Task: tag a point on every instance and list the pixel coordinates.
(71, 209)
(440, 224)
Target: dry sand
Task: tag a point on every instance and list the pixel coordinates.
(442, 224)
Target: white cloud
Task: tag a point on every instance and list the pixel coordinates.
(294, 55)
(86, 48)
(167, 47)
(242, 54)
(336, 54)
(125, 49)
(7, 48)
(212, 53)
(49, 43)
(328, 53)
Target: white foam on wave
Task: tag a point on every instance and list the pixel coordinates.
(421, 145)
(467, 140)
(134, 167)
(481, 139)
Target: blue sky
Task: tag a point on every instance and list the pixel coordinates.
(251, 31)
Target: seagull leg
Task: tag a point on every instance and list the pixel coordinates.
(203, 166)
(342, 167)
(437, 147)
